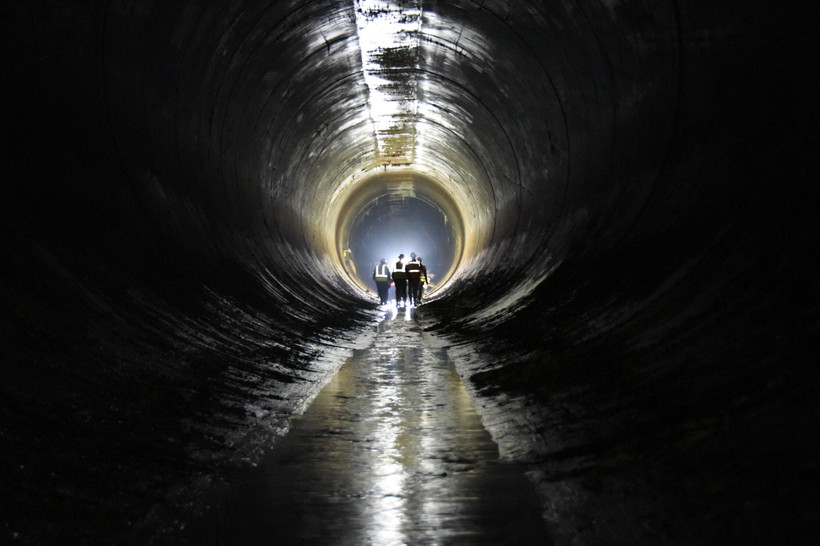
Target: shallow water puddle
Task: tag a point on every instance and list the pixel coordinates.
(390, 452)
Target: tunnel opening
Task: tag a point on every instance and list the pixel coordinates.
(398, 212)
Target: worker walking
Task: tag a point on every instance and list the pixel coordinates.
(413, 273)
(400, 280)
(381, 274)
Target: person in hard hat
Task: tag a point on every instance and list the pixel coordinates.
(400, 280)
(381, 274)
(413, 272)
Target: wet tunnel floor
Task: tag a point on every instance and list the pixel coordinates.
(391, 451)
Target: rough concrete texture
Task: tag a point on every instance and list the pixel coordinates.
(635, 303)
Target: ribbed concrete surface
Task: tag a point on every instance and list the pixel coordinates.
(630, 187)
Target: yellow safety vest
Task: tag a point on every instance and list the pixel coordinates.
(382, 272)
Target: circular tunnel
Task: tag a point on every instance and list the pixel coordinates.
(390, 214)
(614, 200)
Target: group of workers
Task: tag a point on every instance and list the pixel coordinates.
(409, 279)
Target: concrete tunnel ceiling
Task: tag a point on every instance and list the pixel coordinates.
(616, 197)
(413, 133)
(305, 108)
(383, 94)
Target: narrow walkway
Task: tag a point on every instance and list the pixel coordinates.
(390, 452)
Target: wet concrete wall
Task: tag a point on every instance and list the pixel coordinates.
(637, 186)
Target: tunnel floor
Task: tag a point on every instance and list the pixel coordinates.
(391, 451)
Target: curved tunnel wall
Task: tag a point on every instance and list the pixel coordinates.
(388, 213)
(634, 182)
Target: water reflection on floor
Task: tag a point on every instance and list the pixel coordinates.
(390, 452)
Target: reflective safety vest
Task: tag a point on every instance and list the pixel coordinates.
(398, 273)
(413, 270)
(381, 273)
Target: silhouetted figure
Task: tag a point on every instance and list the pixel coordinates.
(381, 274)
(400, 279)
(413, 272)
